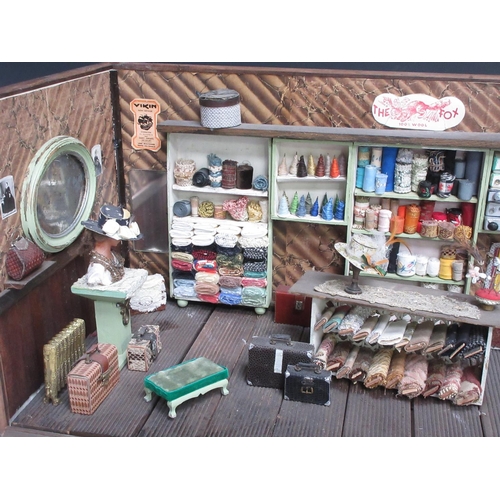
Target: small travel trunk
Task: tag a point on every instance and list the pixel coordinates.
(268, 358)
(93, 378)
(143, 348)
(307, 383)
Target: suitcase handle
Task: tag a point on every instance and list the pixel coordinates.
(280, 337)
(308, 366)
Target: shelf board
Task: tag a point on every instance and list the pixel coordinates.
(415, 278)
(309, 178)
(411, 196)
(402, 235)
(210, 190)
(381, 136)
(309, 218)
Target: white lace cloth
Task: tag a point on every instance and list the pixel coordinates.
(146, 292)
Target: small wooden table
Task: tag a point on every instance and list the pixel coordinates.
(186, 381)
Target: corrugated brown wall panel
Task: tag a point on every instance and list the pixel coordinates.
(81, 109)
(292, 98)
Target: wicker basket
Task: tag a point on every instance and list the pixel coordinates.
(184, 171)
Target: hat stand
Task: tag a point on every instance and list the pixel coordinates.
(353, 288)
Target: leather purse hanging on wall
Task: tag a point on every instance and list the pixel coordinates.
(23, 258)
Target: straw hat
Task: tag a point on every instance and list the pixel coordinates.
(114, 222)
(359, 247)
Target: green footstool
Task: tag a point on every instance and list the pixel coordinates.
(186, 381)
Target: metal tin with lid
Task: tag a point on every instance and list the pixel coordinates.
(220, 108)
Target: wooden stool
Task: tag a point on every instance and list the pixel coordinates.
(186, 381)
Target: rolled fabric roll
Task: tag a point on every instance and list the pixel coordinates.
(361, 364)
(421, 336)
(410, 328)
(182, 208)
(201, 177)
(379, 368)
(366, 328)
(464, 331)
(324, 350)
(452, 381)
(470, 390)
(353, 320)
(382, 322)
(336, 318)
(260, 183)
(396, 370)
(413, 382)
(338, 356)
(437, 339)
(349, 362)
(393, 332)
(435, 377)
(450, 340)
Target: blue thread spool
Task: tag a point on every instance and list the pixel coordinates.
(369, 178)
(389, 155)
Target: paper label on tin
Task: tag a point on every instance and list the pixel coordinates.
(418, 111)
(278, 360)
(145, 135)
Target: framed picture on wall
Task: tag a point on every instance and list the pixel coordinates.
(8, 205)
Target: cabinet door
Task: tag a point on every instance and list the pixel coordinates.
(206, 211)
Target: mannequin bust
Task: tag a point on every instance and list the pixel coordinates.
(106, 265)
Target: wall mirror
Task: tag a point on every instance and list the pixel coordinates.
(58, 193)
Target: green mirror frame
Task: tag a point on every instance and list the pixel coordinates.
(35, 198)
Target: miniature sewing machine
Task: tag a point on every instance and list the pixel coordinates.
(186, 381)
(112, 312)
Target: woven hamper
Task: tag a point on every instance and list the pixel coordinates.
(93, 377)
(220, 108)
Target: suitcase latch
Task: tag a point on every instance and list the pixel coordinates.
(307, 390)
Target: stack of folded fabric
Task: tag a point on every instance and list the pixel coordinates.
(470, 390)
(361, 364)
(435, 377)
(378, 370)
(421, 336)
(338, 356)
(413, 382)
(346, 369)
(382, 322)
(451, 383)
(393, 332)
(324, 350)
(437, 339)
(396, 370)
(366, 328)
(353, 320)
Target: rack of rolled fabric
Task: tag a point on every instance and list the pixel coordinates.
(220, 262)
(412, 355)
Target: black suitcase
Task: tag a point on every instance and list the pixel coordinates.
(268, 358)
(307, 383)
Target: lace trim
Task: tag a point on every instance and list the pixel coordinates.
(114, 267)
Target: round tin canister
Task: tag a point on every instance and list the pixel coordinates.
(405, 264)
(220, 108)
(229, 174)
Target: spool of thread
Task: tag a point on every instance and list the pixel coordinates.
(369, 178)
(426, 209)
(380, 182)
(370, 219)
(376, 157)
(424, 189)
(363, 156)
(439, 216)
(468, 211)
(459, 168)
(445, 271)
(389, 155)
(194, 205)
(401, 210)
(473, 164)
(394, 206)
(219, 212)
(457, 269)
(360, 175)
(429, 228)
(244, 176)
(421, 265)
(402, 178)
(412, 218)
(465, 189)
(433, 265)
(229, 174)
(446, 230)
(384, 220)
(264, 207)
(397, 224)
(385, 203)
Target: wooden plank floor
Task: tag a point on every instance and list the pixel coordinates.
(221, 333)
